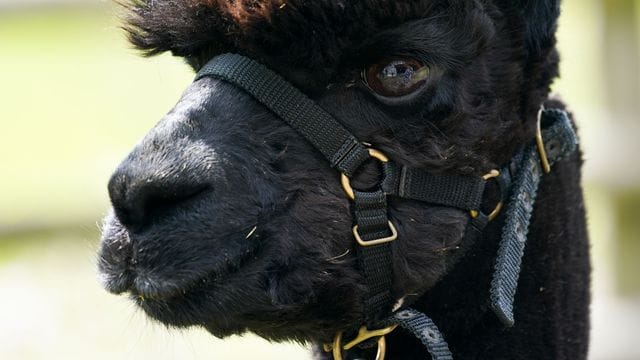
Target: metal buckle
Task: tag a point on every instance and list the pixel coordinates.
(346, 182)
(475, 213)
(394, 236)
(363, 335)
(546, 167)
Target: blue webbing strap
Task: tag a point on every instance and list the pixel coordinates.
(424, 329)
(560, 139)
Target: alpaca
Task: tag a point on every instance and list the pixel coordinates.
(226, 218)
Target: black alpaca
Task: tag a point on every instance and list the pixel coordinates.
(226, 218)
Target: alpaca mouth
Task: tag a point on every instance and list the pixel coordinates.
(128, 263)
(200, 300)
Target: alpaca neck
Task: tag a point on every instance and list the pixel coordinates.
(551, 304)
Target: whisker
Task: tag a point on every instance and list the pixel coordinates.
(253, 231)
(339, 256)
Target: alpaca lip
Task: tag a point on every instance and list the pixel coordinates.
(116, 283)
(148, 273)
(146, 284)
(155, 288)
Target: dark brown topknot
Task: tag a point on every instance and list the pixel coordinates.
(315, 29)
(310, 34)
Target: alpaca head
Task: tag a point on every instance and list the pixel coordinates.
(224, 217)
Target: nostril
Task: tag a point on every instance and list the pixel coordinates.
(137, 200)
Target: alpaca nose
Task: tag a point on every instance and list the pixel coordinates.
(139, 194)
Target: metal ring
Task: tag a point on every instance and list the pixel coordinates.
(346, 182)
(363, 335)
(491, 175)
(544, 160)
(337, 347)
(475, 213)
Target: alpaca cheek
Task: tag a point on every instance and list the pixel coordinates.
(288, 289)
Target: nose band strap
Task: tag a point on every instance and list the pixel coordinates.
(343, 150)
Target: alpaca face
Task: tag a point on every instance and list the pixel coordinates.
(226, 218)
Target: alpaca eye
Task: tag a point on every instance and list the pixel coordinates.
(396, 78)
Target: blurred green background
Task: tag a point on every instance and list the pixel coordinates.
(74, 99)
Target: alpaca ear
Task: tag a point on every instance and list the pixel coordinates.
(539, 20)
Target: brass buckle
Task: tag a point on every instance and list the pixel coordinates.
(475, 213)
(546, 167)
(346, 182)
(394, 236)
(363, 335)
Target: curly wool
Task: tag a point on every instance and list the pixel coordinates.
(225, 218)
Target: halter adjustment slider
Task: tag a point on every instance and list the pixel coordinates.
(393, 237)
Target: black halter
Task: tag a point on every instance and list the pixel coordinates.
(373, 230)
